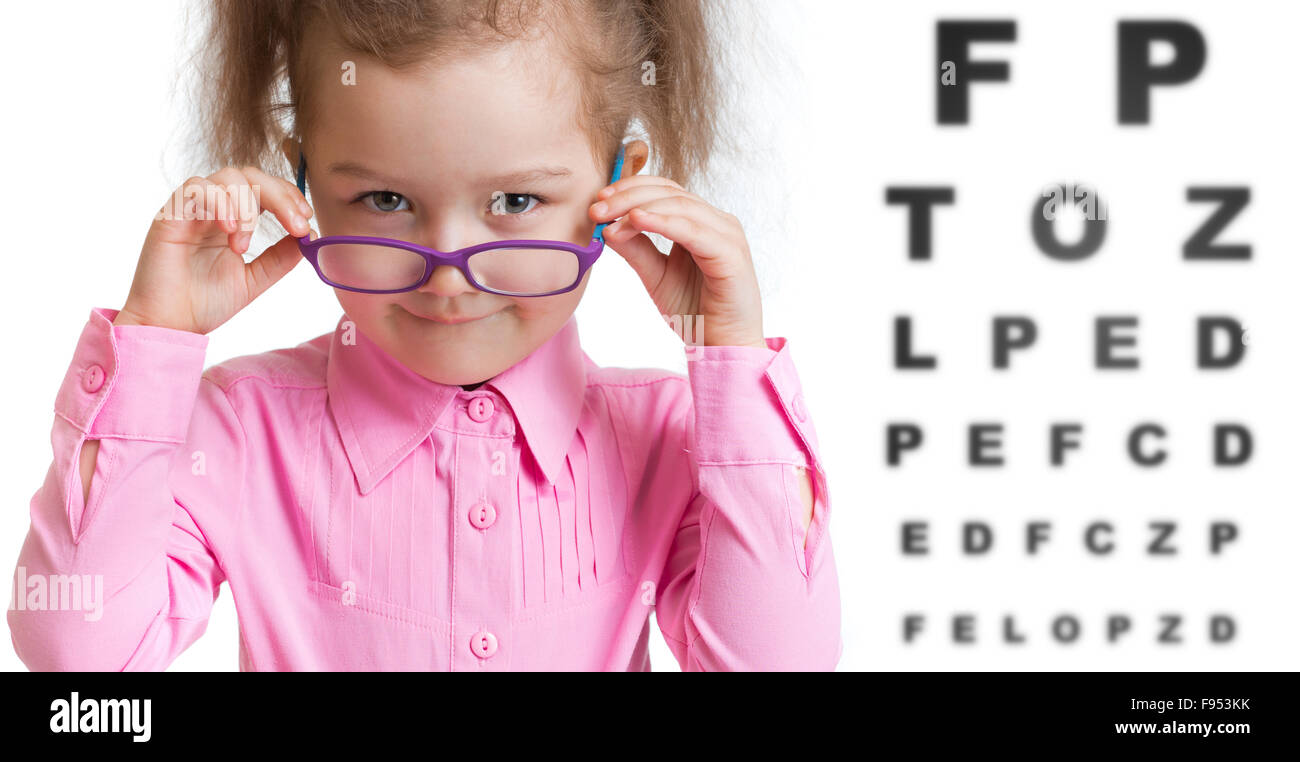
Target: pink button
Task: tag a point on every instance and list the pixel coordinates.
(480, 408)
(482, 515)
(92, 379)
(797, 404)
(483, 644)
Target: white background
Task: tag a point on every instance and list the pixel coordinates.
(842, 105)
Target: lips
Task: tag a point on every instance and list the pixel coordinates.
(447, 319)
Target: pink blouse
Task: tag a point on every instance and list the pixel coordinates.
(367, 518)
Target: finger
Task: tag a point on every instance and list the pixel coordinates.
(256, 191)
(282, 188)
(634, 181)
(720, 237)
(204, 203)
(618, 204)
(640, 252)
(244, 203)
(299, 199)
(273, 195)
(716, 253)
(271, 265)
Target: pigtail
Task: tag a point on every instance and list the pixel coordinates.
(681, 84)
(244, 108)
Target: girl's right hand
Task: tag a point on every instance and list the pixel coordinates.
(190, 275)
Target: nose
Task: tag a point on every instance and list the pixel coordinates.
(447, 280)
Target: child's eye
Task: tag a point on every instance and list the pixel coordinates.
(384, 201)
(515, 204)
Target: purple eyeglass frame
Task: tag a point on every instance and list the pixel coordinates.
(587, 255)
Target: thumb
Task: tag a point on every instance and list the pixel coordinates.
(271, 265)
(640, 252)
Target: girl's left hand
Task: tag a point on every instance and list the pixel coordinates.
(707, 273)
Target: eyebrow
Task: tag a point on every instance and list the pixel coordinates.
(527, 176)
(509, 179)
(356, 170)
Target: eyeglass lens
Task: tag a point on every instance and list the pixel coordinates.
(384, 268)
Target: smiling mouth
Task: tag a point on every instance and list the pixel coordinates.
(448, 319)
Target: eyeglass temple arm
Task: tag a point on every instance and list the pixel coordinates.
(614, 177)
(302, 171)
(618, 173)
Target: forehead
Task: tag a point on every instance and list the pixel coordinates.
(507, 103)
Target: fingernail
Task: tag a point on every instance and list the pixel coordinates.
(600, 207)
(306, 209)
(298, 221)
(606, 191)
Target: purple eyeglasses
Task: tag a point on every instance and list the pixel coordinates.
(513, 267)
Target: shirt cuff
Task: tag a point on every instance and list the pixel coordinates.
(749, 405)
(132, 382)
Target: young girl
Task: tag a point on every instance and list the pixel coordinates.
(445, 481)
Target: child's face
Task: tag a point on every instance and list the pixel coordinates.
(423, 147)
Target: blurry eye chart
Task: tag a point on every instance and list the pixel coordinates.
(1059, 249)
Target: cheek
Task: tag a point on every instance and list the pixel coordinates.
(349, 302)
(551, 309)
(363, 309)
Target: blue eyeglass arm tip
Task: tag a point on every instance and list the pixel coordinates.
(302, 172)
(614, 177)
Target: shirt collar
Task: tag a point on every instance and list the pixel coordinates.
(384, 410)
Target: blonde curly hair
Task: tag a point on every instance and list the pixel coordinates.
(253, 86)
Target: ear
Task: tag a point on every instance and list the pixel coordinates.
(635, 155)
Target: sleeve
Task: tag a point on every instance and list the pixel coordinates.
(126, 581)
(740, 590)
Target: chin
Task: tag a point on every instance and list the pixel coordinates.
(453, 373)
(449, 354)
